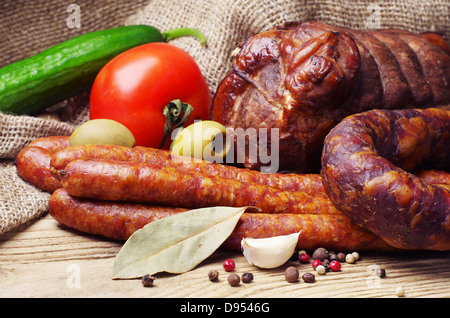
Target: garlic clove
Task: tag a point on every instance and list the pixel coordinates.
(269, 252)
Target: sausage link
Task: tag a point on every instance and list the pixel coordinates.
(33, 165)
(51, 143)
(33, 162)
(115, 220)
(333, 232)
(435, 177)
(436, 39)
(119, 220)
(364, 169)
(310, 183)
(147, 183)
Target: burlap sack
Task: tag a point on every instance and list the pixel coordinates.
(26, 27)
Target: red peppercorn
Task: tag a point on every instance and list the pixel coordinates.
(229, 265)
(316, 263)
(335, 266)
(303, 257)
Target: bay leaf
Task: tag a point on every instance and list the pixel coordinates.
(175, 244)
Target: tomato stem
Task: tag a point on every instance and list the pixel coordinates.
(175, 33)
(176, 113)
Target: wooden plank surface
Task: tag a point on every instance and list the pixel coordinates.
(45, 259)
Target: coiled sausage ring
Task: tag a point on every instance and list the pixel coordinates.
(368, 165)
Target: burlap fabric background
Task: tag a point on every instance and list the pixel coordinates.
(27, 27)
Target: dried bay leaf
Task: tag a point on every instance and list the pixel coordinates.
(175, 244)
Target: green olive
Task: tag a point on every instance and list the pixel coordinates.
(102, 132)
(206, 139)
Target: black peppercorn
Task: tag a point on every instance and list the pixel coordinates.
(147, 280)
(326, 264)
(333, 257)
(234, 279)
(321, 254)
(213, 275)
(247, 277)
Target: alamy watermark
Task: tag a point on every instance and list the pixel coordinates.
(74, 19)
(373, 280)
(74, 276)
(374, 19)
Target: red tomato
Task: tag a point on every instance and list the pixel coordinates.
(135, 86)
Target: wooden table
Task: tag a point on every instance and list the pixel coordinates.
(47, 260)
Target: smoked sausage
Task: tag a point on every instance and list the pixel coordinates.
(118, 220)
(365, 166)
(51, 143)
(33, 162)
(40, 162)
(303, 78)
(309, 183)
(436, 177)
(333, 232)
(115, 220)
(147, 183)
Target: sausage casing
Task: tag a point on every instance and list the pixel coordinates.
(33, 162)
(365, 166)
(310, 183)
(147, 183)
(118, 220)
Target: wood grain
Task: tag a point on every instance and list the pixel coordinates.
(44, 259)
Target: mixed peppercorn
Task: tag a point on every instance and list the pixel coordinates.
(322, 261)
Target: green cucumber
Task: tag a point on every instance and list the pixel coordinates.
(70, 67)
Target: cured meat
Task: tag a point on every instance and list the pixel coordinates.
(435, 177)
(33, 162)
(118, 220)
(365, 166)
(309, 183)
(147, 183)
(51, 143)
(302, 79)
